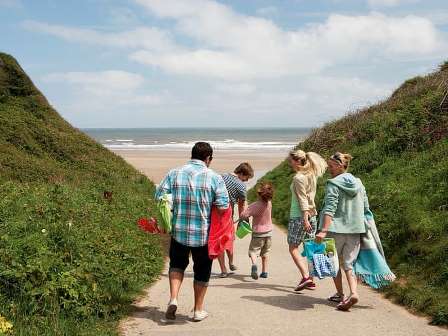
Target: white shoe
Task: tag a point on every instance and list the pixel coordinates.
(171, 310)
(199, 315)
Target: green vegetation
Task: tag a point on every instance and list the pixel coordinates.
(72, 257)
(400, 149)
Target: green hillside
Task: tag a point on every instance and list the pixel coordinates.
(71, 257)
(400, 149)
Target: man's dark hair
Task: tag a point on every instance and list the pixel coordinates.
(201, 151)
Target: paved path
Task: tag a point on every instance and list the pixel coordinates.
(239, 305)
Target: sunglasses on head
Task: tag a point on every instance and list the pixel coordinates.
(337, 157)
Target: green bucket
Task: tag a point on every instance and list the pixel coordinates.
(243, 229)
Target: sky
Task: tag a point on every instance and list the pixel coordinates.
(228, 63)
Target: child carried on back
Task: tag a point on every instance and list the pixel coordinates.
(261, 242)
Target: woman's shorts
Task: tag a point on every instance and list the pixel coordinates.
(297, 233)
(347, 245)
(260, 246)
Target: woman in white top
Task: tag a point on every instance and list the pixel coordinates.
(302, 218)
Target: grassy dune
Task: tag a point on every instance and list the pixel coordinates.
(400, 149)
(72, 258)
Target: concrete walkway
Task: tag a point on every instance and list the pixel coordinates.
(239, 305)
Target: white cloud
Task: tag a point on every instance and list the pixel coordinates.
(206, 63)
(439, 17)
(117, 98)
(236, 89)
(122, 16)
(244, 68)
(389, 3)
(235, 46)
(339, 94)
(228, 45)
(179, 9)
(141, 37)
(107, 80)
(379, 35)
(106, 89)
(309, 101)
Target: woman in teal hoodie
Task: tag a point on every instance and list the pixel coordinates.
(342, 218)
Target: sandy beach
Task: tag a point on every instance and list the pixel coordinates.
(156, 163)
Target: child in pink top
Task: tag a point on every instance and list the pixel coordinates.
(261, 242)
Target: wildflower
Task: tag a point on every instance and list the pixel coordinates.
(44, 231)
(5, 326)
(70, 223)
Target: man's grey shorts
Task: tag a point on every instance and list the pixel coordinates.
(347, 245)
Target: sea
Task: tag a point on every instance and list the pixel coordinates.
(240, 139)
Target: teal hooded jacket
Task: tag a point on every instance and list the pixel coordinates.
(346, 202)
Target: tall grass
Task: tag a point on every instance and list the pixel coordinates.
(72, 258)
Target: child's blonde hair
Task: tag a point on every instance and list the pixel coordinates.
(310, 162)
(342, 158)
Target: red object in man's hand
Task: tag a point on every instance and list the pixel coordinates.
(148, 225)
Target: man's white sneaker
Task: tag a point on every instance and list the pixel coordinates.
(171, 310)
(199, 315)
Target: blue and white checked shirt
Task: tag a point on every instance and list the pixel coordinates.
(194, 188)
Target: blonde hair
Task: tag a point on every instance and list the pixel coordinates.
(342, 158)
(310, 161)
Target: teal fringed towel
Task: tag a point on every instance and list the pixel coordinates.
(371, 266)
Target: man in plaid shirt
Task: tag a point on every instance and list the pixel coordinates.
(195, 189)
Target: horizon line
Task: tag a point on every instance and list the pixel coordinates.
(199, 127)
